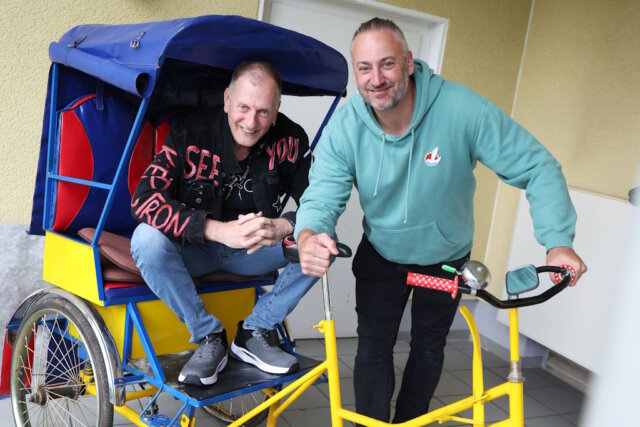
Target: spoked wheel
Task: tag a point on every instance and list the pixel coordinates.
(232, 409)
(58, 374)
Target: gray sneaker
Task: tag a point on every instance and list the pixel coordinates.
(260, 348)
(209, 358)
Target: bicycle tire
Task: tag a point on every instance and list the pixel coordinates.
(232, 409)
(55, 364)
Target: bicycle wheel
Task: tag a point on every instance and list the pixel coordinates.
(232, 409)
(58, 374)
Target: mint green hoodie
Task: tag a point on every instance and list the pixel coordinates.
(416, 189)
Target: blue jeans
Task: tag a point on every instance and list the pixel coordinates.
(381, 296)
(168, 267)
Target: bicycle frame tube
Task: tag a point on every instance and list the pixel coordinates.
(515, 378)
(513, 387)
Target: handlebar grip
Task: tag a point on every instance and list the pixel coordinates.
(435, 283)
(344, 251)
(567, 271)
(290, 249)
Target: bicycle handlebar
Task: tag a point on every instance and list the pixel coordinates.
(290, 249)
(453, 287)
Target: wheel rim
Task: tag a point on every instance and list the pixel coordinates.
(232, 409)
(52, 382)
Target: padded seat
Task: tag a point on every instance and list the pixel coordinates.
(122, 279)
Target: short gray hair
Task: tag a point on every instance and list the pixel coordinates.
(253, 66)
(382, 24)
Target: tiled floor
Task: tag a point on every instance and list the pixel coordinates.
(548, 401)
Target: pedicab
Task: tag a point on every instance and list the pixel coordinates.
(98, 340)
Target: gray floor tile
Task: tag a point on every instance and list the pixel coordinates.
(553, 421)
(490, 360)
(561, 400)
(401, 346)
(347, 345)
(348, 360)
(399, 362)
(537, 377)
(460, 344)
(345, 369)
(346, 391)
(310, 348)
(455, 359)
(490, 378)
(573, 418)
(311, 398)
(449, 385)
(532, 407)
(396, 390)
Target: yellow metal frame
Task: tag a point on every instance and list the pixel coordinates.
(74, 266)
(513, 388)
(71, 265)
(167, 334)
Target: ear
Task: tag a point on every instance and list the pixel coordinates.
(226, 100)
(410, 64)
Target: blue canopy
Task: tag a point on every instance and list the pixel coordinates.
(130, 56)
(183, 62)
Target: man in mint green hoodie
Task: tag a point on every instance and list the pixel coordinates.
(409, 142)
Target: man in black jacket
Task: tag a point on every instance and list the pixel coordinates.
(211, 201)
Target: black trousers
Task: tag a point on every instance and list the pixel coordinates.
(381, 296)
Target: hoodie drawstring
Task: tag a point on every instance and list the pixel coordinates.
(384, 140)
(406, 194)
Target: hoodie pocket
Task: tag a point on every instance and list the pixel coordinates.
(417, 245)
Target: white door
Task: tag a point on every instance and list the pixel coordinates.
(333, 23)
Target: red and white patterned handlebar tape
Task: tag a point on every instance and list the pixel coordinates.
(431, 282)
(557, 278)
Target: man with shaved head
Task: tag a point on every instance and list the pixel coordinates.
(409, 140)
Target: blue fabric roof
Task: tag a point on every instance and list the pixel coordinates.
(130, 56)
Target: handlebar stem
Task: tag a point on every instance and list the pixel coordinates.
(326, 296)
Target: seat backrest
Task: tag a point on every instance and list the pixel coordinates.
(92, 134)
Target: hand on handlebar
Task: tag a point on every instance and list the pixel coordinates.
(315, 251)
(565, 256)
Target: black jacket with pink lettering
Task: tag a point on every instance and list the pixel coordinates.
(183, 184)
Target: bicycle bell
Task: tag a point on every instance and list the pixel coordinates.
(475, 274)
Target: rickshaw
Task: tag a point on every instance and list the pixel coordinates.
(98, 338)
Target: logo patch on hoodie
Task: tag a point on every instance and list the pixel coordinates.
(432, 158)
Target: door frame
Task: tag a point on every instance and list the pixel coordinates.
(434, 27)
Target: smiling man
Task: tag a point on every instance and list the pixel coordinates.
(409, 141)
(211, 201)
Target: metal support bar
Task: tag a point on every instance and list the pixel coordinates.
(53, 119)
(126, 155)
(133, 318)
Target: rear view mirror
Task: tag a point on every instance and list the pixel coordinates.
(522, 279)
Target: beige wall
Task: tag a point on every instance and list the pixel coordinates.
(28, 28)
(580, 95)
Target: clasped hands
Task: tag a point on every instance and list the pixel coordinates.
(251, 231)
